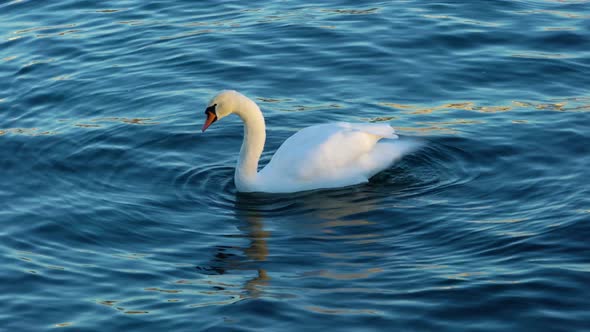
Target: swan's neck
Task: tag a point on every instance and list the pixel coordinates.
(252, 146)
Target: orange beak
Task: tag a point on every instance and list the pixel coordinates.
(211, 117)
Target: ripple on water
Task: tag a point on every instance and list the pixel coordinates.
(431, 169)
(117, 215)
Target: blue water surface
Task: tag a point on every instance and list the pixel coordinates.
(118, 214)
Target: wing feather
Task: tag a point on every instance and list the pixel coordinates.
(327, 151)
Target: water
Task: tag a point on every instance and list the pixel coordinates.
(117, 214)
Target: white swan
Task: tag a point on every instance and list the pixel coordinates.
(328, 155)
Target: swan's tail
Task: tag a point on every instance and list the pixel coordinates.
(388, 151)
(401, 147)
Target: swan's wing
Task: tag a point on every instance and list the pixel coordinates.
(329, 152)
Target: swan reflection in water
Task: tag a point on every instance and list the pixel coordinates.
(318, 215)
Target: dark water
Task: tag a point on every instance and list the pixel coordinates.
(117, 214)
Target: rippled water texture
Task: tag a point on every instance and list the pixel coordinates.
(117, 214)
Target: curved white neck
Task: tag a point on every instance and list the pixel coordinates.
(252, 146)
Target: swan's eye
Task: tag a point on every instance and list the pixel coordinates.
(211, 109)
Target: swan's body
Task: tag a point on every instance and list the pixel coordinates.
(328, 155)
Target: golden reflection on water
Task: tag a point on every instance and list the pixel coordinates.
(560, 28)
(577, 103)
(138, 121)
(19, 33)
(453, 122)
(107, 303)
(26, 132)
(36, 62)
(272, 100)
(63, 33)
(112, 303)
(42, 28)
(168, 291)
(571, 104)
(108, 11)
(65, 324)
(450, 127)
(295, 108)
(464, 275)
(520, 121)
(426, 130)
(380, 119)
(303, 108)
(465, 106)
(135, 312)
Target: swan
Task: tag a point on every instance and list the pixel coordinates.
(329, 155)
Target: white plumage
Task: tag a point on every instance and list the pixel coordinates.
(328, 155)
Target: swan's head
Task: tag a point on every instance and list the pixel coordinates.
(222, 105)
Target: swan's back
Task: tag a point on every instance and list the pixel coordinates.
(330, 155)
